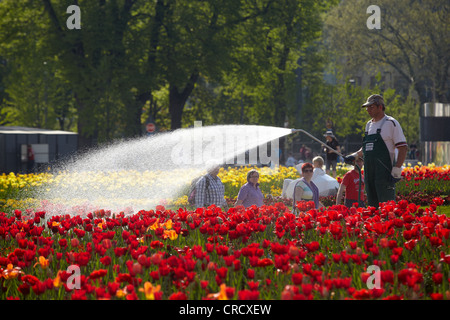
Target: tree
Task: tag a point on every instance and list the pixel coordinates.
(341, 103)
(413, 41)
(94, 62)
(134, 61)
(35, 95)
(201, 42)
(151, 45)
(38, 98)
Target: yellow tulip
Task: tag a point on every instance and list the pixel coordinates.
(154, 226)
(43, 262)
(221, 295)
(171, 234)
(121, 293)
(168, 224)
(10, 272)
(57, 281)
(150, 290)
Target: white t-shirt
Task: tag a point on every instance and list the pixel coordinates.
(327, 185)
(391, 132)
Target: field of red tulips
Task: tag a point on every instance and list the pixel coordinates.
(266, 253)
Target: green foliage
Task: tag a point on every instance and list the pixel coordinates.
(406, 111)
(413, 42)
(35, 94)
(262, 86)
(230, 61)
(342, 102)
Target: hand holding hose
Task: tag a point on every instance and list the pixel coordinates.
(349, 159)
(396, 172)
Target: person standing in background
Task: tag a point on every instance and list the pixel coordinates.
(412, 151)
(30, 159)
(331, 159)
(290, 162)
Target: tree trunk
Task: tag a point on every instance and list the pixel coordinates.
(178, 99)
(176, 105)
(85, 140)
(133, 119)
(280, 97)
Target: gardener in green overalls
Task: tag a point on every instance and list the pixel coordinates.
(383, 134)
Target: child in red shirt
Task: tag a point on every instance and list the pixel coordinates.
(350, 185)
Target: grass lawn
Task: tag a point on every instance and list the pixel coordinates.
(444, 209)
(441, 210)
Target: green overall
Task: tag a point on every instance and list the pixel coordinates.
(377, 169)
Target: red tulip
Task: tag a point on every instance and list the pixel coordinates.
(264, 262)
(437, 296)
(24, 289)
(376, 293)
(82, 258)
(336, 257)
(297, 278)
(307, 288)
(237, 265)
(39, 288)
(289, 292)
(294, 251)
(394, 258)
(248, 295)
(229, 291)
(123, 277)
(204, 284)
(63, 243)
(361, 294)
(387, 276)
(410, 244)
(253, 285)
(106, 243)
(438, 201)
(74, 242)
(313, 246)
(393, 297)
(319, 259)
(98, 274)
(155, 275)
(106, 260)
(222, 272)
(437, 278)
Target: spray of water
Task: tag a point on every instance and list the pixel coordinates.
(139, 174)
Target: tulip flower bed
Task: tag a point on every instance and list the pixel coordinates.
(255, 253)
(423, 183)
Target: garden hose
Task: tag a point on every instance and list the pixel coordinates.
(321, 142)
